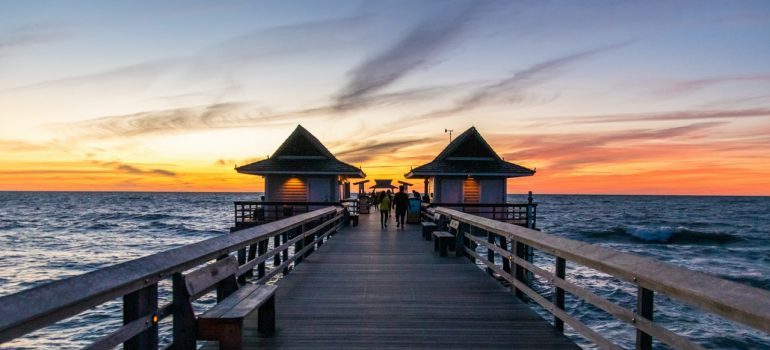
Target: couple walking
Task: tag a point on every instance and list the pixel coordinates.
(386, 201)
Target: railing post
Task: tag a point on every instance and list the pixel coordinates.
(558, 294)
(300, 244)
(530, 212)
(183, 315)
(139, 304)
(460, 242)
(285, 253)
(235, 215)
(521, 252)
(490, 252)
(277, 256)
(644, 307)
(506, 262)
(262, 251)
(241, 261)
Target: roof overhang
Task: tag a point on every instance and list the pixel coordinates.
(359, 174)
(412, 174)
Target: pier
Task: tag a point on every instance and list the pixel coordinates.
(378, 289)
(310, 280)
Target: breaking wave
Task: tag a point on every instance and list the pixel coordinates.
(667, 234)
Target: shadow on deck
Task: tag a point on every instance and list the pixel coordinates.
(373, 288)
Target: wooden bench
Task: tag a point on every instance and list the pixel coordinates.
(224, 321)
(429, 226)
(444, 239)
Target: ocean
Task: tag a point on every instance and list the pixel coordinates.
(47, 236)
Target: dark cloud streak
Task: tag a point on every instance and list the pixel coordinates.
(420, 45)
(513, 88)
(132, 169)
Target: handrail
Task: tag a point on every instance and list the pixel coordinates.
(735, 301)
(252, 213)
(522, 214)
(35, 308)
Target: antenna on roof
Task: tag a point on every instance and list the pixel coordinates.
(450, 134)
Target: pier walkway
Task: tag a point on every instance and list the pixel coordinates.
(375, 289)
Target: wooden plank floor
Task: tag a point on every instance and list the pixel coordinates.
(375, 289)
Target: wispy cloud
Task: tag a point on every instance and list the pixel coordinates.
(132, 169)
(416, 49)
(219, 115)
(513, 88)
(686, 87)
(363, 151)
(20, 37)
(671, 115)
(566, 151)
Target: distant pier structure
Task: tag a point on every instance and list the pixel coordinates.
(383, 184)
(468, 175)
(300, 176)
(468, 171)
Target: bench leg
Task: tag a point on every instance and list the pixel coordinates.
(232, 342)
(435, 243)
(443, 246)
(266, 316)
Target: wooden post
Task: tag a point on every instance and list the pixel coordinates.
(226, 286)
(490, 252)
(285, 253)
(139, 304)
(530, 212)
(558, 294)
(252, 255)
(309, 240)
(262, 251)
(299, 245)
(183, 315)
(506, 262)
(277, 256)
(460, 241)
(241, 261)
(644, 307)
(521, 252)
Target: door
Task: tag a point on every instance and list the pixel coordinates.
(491, 191)
(319, 189)
(451, 191)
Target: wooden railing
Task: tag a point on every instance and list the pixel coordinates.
(136, 281)
(253, 213)
(522, 214)
(734, 301)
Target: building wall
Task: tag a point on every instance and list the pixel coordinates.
(469, 190)
(282, 188)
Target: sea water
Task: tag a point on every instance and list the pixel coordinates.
(47, 236)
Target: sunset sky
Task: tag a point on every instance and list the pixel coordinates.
(612, 97)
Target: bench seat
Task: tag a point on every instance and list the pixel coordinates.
(442, 241)
(427, 228)
(224, 321)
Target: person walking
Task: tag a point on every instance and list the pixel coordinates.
(400, 201)
(384, 205)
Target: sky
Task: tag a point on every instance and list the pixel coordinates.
(601, 97)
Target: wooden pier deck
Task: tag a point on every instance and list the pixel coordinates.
(375, 289)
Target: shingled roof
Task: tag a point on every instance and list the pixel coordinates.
(383, 183)
(301, 154)
(469, 155)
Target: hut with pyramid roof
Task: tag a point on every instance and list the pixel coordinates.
(302, 170)
(468, 171)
